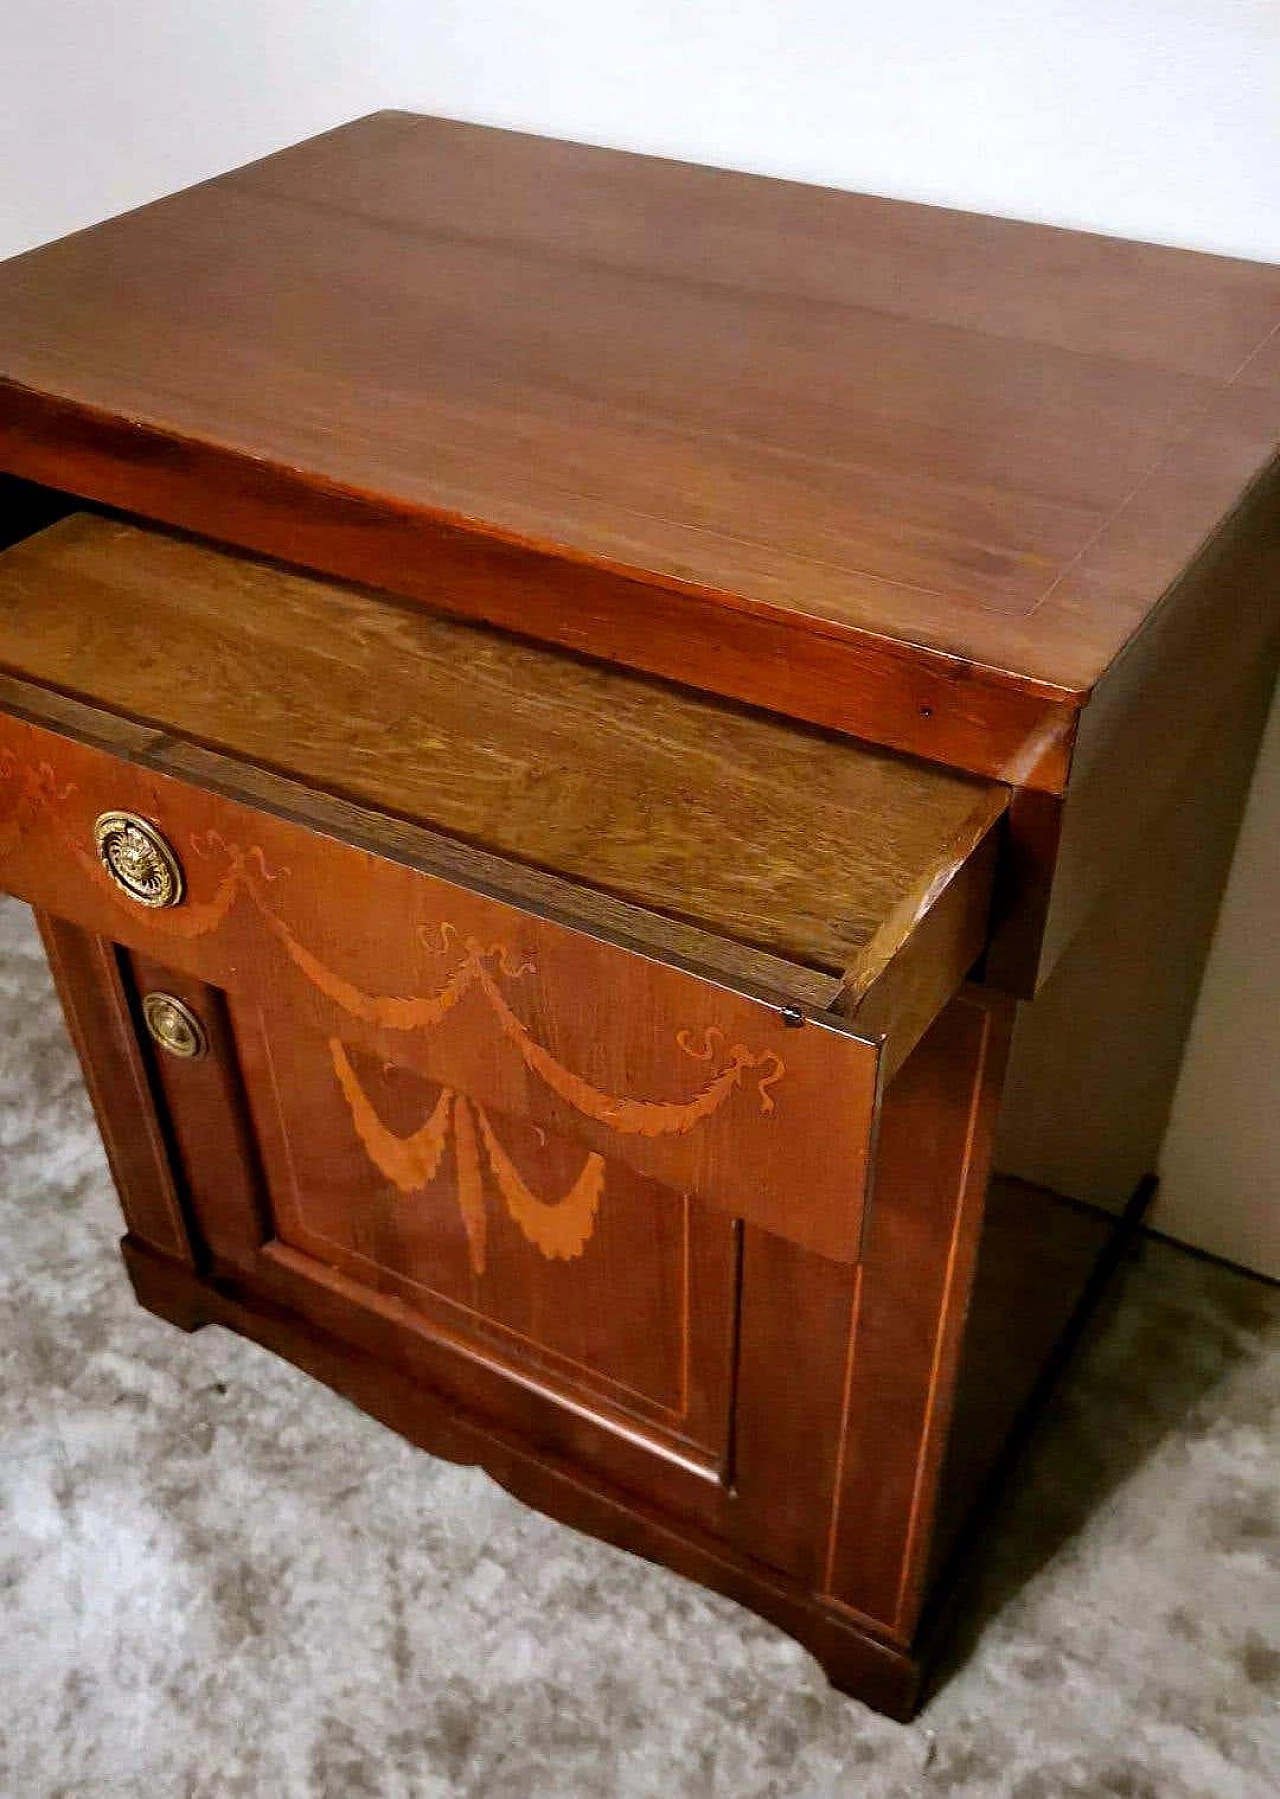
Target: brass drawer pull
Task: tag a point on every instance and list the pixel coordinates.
(174, 1026)
(138, 859)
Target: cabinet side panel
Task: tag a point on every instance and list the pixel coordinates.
(905, 1338)
(1038, 1254)
(1154, 722)
(793, 1331)
(1096, 1059)
(1152, 727)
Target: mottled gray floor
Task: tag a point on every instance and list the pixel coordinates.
(218, 1579)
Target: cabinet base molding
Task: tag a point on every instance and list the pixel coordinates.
(886, 1677)
(894, 1679)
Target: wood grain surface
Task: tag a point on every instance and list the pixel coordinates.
(766, 1111)
(952, 462)
(562, 1018)
(638, 1323)
(793, 842)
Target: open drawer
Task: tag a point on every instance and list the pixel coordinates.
(692, 939)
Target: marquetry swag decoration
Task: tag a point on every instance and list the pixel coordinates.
(559, 1228)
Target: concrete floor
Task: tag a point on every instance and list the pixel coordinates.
(221, 1582)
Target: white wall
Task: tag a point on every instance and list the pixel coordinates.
(1220, 1165)
(1149, 118)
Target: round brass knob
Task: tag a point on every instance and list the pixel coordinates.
(138, 859)
(174, 1026)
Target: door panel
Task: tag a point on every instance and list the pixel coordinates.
(332, 1178)
(554, 1257)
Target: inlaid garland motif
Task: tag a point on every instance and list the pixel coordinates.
(559, 1228)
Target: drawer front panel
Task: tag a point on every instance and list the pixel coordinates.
(686, 1081)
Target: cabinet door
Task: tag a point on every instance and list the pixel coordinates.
(551, 1288)
(575, 1316)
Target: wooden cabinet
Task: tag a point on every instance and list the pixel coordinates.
(604, 1172)
(543, 945)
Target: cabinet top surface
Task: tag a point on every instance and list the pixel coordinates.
(997, 441)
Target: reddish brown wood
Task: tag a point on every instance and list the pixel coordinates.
(1037, 1254)
(699, 1086)
(943, 707)
(903, 1345)
(622, 1352)
(97, 1007)
(1154, 728)
(586, 1095)
(539, 1473)
(274, 1208)
(798, 1478)
(676, 409)
(627, 1301)
(1110, 1024)
(796, 1309)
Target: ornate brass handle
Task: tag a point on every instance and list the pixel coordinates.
(138, 859)
(174, 1026)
